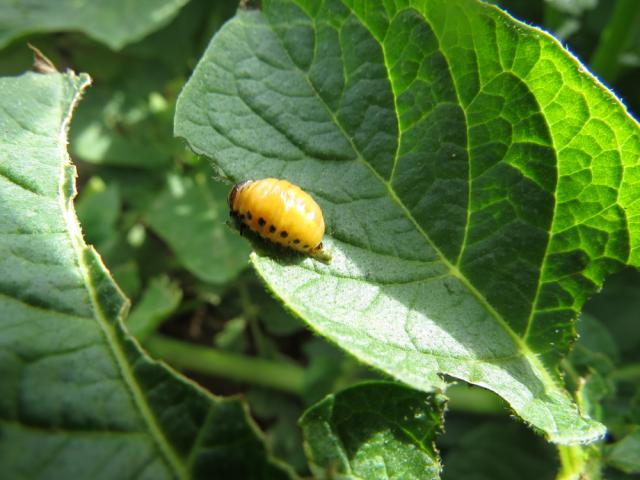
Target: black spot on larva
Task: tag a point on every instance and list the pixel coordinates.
(249, 215)
(305, 246)
(261, 222)
(296, 241)
(242, 217)
(284, 234)
(272, 229)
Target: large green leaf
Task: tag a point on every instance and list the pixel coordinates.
(114, 23)
(79, 398)
(477, 182)
(375, 430)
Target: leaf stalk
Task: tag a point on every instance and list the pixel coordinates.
(278, 375)
(572, 462)
(606, 58)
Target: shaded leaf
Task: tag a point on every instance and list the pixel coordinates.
(190, 215)
(276, 320)
(498, 451)
(180, 43)
(595, 373)
(596, 347)
(618, 307)
(117, 127)
(159, 300)
(477, 182)
(127, 276)
(233, 336)
(284, 436)
(328, 370)
(98, 208)
(79, 397)
(374, 430)
(113, 23)
(591, 390)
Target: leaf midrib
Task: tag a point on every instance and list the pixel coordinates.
(548, 380)
(75, 237)
(129, 379)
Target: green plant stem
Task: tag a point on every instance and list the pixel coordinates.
(267, 373)
(572, 462)
(629, 372)
(468, 399)
(605, 61)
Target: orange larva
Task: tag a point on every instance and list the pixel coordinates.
(280, 212)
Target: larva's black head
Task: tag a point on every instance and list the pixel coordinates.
(234, 191)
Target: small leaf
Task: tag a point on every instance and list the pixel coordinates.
(114, 23)
(591, 391)
(80, 399)
(233, 336)
(477, 184)
(159, 300)
(190, 215)
(596, 347)
(625, 454)
(374, 430)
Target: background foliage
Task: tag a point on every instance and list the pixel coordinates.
(153, 211)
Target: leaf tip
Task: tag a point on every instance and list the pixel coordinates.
(41, 64)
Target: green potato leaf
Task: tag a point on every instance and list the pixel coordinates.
(376, 430)
(477, 182)
(190, 215)
(158, 301)
(114, 23)
(80, 399)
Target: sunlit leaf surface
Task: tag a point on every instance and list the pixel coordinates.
(477, 183)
